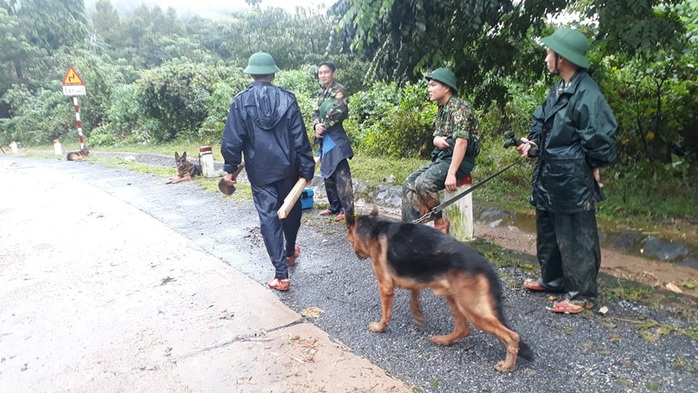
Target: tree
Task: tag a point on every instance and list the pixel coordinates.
(32, 32)
(293, 39)
(107, 26)
(477, 39)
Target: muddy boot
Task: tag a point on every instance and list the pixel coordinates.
(442, 224)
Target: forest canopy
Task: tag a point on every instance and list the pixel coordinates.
(153, 76)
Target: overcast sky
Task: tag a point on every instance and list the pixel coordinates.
(211, 9)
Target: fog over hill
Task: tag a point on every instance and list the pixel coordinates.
(209, 9)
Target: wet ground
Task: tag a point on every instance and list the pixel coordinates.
(667, 261)
(630, 348)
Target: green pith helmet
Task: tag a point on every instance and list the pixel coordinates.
(570, 44)
(261, 64)
(327, 106)
(445, 76)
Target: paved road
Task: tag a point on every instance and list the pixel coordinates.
(98, 295)
(632, 348)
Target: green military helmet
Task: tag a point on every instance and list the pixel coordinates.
(570, 44)
(445, 76)
(261, 63)
(326, 107)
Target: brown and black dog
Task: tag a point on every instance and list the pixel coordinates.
(185, 169)
(78, 155)
(414, 256)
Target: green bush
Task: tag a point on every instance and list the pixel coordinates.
(392, 120)
(38, 117)
(173, 99)
(122, 116)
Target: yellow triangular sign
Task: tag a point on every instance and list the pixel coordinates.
(72, 78)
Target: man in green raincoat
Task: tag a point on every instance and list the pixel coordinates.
(575, 132)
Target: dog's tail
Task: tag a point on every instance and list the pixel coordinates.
(525, 351)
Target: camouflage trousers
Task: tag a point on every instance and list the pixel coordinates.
(340, 191)
(420, 191)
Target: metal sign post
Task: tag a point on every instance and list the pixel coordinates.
(74, 86)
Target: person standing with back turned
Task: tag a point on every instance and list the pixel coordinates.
(335, 151)
(575, 132)
(265, 124)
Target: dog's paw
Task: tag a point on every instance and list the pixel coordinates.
(377, 327)
(503, 367)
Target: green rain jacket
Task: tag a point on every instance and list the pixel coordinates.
(575, 131)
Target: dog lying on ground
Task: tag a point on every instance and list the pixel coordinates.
(78, 155)
(185, 169)
(414, 256)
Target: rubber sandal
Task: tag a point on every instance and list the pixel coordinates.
(326, 213)
(292, 259)
(567, 307)
(280, 284)
(340, 217)
(534, 286)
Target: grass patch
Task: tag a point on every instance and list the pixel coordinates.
(682, 363)
(502, 257)
(627, 290)
(135, 166)
(372, 170)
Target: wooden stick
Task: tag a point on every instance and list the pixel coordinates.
(295, 193)
(291, 199)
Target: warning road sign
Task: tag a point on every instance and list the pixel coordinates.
(72, 78)
(78, 90)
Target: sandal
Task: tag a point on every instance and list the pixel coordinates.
(567, 307)
(340, 217)
(292, 259)
(327, 212)
(280, 284)
(534, 286)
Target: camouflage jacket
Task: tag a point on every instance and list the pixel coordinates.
(456, 119)
(336, 111)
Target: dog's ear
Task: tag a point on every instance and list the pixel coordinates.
(374, 212)
(176, 156)
(184, 155)
(350, 221)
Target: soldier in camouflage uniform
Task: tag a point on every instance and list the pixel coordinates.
(456, 144)
(334, 148)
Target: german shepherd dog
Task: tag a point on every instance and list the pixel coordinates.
(414, 256)
(78, 155)
(185, 169)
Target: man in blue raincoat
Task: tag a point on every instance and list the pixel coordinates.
(266, 125)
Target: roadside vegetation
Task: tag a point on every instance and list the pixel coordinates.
(159, 83)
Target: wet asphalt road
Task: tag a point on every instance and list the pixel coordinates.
(585, 353)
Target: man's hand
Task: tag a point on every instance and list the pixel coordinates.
(440, 142)
(319, 130)
(451, 183)
(229, 179)
(597, 177)
(524, 147)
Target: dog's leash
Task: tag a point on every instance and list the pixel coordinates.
(449, 202)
